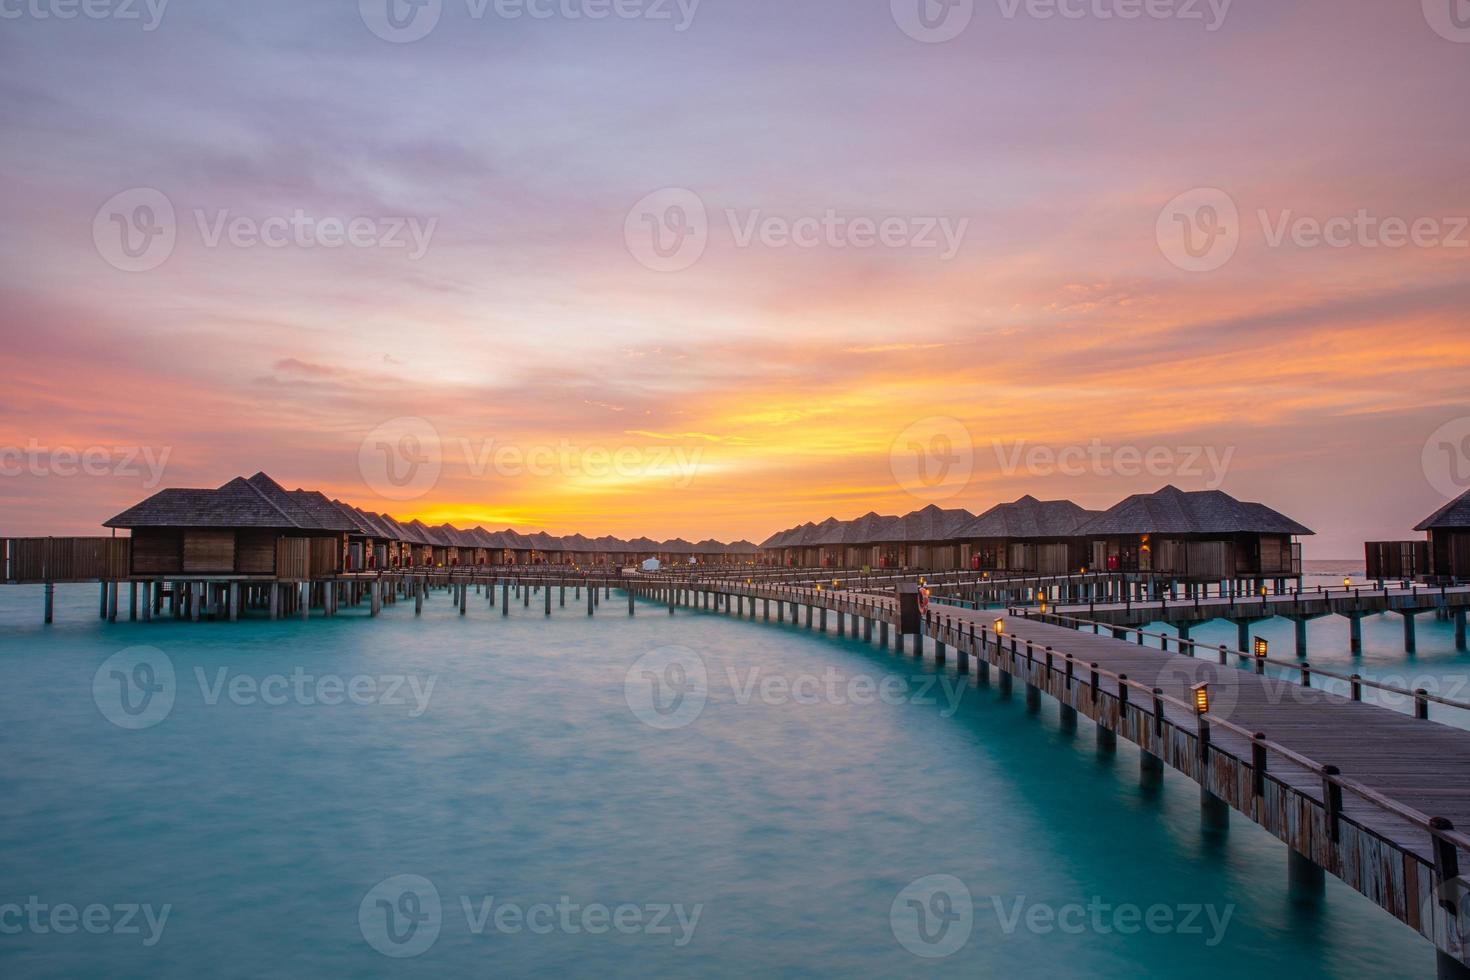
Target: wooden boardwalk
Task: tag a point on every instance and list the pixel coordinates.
(1369, 794)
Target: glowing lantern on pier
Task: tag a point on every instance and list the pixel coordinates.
(1201, 698)
(1000, 627)
(1261, 646)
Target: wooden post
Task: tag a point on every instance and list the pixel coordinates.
(1460, 629)
(50, 603)
(305, 591)
(132, 602)
(112, 588)
(234, 588)
(1411, 644)
(147, 602)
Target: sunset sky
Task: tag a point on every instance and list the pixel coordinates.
(761, 382)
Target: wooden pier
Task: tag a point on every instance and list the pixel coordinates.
(1369, 794)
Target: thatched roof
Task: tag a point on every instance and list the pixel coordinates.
(256, 502)
(934, 523)
(1173, 511)
(1455, 514)
(1029, 518)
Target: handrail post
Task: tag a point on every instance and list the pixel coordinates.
(1332, 801)
(1258, 765)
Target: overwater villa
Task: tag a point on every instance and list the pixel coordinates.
(1204, 536)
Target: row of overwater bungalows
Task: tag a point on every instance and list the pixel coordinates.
(1200, 536)
(254, 526)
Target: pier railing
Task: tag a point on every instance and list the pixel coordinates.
(1305, 673)
(1443, 836)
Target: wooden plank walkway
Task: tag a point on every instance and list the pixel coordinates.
(1378, 798)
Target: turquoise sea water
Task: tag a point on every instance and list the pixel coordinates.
(795, 824)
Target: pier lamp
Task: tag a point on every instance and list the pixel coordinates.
(1260, 648)
(1043, 606)
(1201, 698)
(1347, 582)
(1000, 627)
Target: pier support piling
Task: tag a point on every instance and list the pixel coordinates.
(1306, 882)
(1214, 813)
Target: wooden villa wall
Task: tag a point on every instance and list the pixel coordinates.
(65, 559)
(209, 551)
(157, 550)
(1451, 552)
(1396, 559)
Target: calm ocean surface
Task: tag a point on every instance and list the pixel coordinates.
(522, 781)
